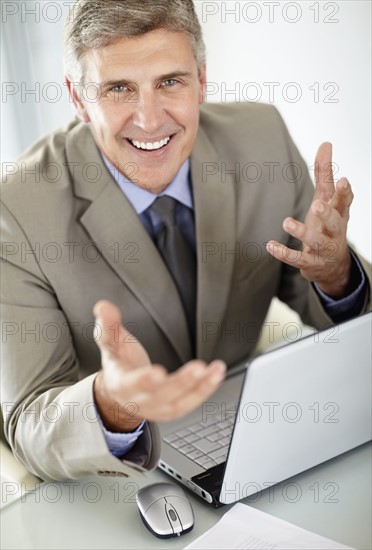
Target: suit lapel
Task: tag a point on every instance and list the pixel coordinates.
(110, 219)
(113, 224)
(215, 210)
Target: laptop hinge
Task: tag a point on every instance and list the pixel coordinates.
(210, 481)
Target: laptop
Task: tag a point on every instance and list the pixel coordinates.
(281, 413)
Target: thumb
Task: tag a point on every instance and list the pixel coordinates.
(108, 332)
(115, 342)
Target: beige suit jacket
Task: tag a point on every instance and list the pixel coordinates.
(70, 238)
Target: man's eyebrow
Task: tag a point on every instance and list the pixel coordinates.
(118, 82)
(175, 74)
(125, 82)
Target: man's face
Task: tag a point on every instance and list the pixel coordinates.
(146, 114)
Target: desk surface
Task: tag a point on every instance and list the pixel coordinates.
(333, 499)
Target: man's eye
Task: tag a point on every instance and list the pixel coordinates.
(170, 82)
(119, 89)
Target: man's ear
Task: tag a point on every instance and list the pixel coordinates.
(78, 103)
(202, 84)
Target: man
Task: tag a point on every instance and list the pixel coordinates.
(93, 231)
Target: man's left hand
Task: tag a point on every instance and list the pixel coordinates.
(325, 257)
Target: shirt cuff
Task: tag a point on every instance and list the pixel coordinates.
(351, 305)
(120, 444)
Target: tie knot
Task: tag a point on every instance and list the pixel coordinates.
(165, 208)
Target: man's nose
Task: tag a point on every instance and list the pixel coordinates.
(149, 114)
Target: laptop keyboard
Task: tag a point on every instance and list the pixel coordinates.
(206, 443)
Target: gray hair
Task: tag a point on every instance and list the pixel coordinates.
(97, 23)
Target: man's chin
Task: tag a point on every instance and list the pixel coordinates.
(149, 178)
(154, 188)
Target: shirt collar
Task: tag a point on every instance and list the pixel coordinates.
(141, 199)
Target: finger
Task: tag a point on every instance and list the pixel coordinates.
(192, 400)
(109, 332)
(186, 379)
(308, 234)
(171, 386)
(107, 315)
(285, 254)
(144, 380)
(324, 183)
(324, 223)
(343, 198)
(329, 218)
(189, 378)
(165, 406)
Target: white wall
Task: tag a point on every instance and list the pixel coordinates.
(322, 46)
(255, 42)
(34, 98)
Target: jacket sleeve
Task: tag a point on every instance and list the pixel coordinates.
(49, 413)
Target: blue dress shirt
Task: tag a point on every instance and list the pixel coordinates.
(180, 189)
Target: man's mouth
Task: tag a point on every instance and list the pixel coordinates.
(150, 145)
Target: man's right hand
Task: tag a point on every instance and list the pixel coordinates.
(130, 389)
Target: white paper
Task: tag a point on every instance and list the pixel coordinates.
(245, 527)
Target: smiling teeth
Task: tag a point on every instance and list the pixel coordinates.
(150, 146)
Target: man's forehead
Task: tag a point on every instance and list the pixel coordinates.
(156, 50)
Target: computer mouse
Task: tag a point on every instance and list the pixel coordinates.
(165, 510)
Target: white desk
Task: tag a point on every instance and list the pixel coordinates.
(333, 499)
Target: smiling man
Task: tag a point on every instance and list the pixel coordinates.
(145, 268)
(149, 91)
